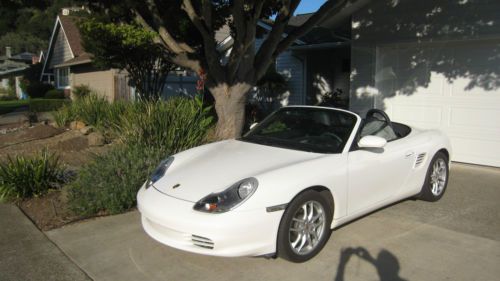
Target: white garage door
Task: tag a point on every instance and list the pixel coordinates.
(452, 86)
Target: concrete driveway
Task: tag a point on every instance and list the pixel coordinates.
(457, 238)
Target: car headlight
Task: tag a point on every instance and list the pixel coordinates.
(228, 199)
(160, 171)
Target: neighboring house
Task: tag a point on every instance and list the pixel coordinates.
(12, 67)
(68, 65)
(431, 64)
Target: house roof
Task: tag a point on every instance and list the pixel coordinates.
(10, 67)
(68, 25)
(81, 59)
(26, 56)
(72, 33)
(319, 34)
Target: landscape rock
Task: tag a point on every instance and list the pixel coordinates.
(96, 139)
(76, 125)
(87, 130)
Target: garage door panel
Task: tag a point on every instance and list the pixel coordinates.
(474, 118)
(427, 115)
(483, 152)
(464, 101)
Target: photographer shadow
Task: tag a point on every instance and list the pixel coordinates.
(386, 264)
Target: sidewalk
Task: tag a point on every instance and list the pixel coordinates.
(26, 253)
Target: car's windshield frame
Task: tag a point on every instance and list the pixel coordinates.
(253, 137)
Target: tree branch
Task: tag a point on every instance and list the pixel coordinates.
(211, 54)
(328, 8)
(264, 55)
(206, 10)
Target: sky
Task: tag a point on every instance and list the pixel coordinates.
(309, 6)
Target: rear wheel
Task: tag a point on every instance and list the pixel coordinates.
(305, 227)
(436, 179)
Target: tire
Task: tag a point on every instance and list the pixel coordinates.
(312, 234)
(432, 191)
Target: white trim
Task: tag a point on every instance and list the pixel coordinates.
(50, 47)
(51, 44)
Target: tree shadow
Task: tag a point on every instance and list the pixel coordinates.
(386, 263)
(425, 47)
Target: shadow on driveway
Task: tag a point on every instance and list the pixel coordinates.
(386, 264)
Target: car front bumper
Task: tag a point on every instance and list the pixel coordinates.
(175, 223)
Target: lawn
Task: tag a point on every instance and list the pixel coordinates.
(38, 105)
(11, 105)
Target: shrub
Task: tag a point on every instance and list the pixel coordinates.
(6, 95)
(110, 183)
(149, 132)
(174, 125)
(92, 109)
(22, 177)
(44, 105)
(64, 115)
(81, 91)
(36, 89)
(54, 94)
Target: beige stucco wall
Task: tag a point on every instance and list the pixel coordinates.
(102, 82)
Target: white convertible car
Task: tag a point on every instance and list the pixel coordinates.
(281, 188)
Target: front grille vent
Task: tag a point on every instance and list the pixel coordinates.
(202, 242)
(420, 159)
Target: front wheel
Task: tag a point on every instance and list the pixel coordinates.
(305, 227)
(436, 179)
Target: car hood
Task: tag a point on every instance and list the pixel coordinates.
(197, 172)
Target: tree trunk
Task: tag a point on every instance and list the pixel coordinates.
(230, 103)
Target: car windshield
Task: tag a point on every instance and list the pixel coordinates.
(319, 130)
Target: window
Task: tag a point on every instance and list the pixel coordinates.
(62, 77)
(309, 129)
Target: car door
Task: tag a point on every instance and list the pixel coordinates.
(376, 175)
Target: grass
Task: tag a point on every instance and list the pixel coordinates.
(92, 110)
(46, 105)
(23, 177)
(36, 105)
(11, 105)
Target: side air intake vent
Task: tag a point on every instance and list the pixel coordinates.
(202, 242)
(420, 159)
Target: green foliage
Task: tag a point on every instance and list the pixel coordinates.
(92, 110)
(54, 94)
(37, 89)
(27, 25)
(149, 131)
(11, 105)
(173, 126)
(6, 95)
(110, 183)
(46, 105)
(22, 177)
(81, 91)
(127, 46)
(22, 42)
(64, 115)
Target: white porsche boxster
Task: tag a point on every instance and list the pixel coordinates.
(281, 188)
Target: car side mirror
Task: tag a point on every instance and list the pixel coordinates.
(372, 142)
(253, 125)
